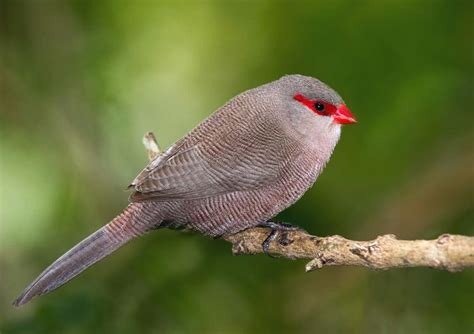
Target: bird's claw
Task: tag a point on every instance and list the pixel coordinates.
(276, 227)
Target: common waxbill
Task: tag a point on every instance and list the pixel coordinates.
(251, 159)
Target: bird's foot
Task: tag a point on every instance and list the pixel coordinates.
(275, 228)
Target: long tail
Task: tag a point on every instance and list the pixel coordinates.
(95, 247)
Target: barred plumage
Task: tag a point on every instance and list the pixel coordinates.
(251, 159)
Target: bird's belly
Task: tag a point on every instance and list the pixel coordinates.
(236, 211)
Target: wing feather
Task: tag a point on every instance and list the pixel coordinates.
(221, 155)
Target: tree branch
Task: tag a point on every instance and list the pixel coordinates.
(447, 252)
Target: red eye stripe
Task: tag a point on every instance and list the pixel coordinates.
(315, 105)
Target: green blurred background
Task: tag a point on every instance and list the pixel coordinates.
(82, 81)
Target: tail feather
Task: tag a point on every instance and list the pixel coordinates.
(89, 251)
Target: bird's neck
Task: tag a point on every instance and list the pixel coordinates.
(318, 136)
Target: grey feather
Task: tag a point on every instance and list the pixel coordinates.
(251, 159)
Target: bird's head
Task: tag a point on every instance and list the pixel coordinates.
(317, 98)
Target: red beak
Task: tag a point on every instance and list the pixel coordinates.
(343, 115)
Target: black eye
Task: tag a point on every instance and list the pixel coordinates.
(319, 106)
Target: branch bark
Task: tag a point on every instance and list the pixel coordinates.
(447, 252)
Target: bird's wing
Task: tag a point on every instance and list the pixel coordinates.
(241, 158)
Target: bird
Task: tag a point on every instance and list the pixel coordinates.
(249, 160)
